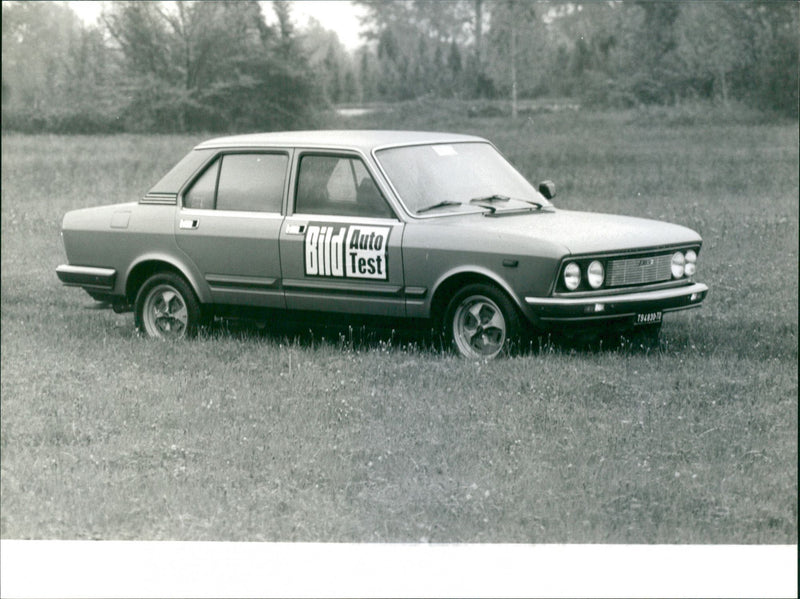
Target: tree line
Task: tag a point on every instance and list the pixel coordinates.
(604, 53)
(221, 66)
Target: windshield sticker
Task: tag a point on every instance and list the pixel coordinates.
(346, 251)
(445, 150)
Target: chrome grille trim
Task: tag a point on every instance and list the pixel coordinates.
(639, 271)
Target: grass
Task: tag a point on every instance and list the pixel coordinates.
(333, 434)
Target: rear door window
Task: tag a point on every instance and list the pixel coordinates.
(251, 182)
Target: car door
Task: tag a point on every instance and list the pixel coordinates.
(229, 224)
(341, 244)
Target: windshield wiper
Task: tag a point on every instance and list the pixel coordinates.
(438, 205)
(539, 205)
(502, 198)
(492, 198)
(485, 202)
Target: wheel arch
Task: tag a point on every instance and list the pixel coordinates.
(149, 265)
(451, 282)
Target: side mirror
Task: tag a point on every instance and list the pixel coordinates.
(548, 189)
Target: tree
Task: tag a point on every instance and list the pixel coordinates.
(366, 75)
(773, 83)
(36, 36)
(584, 41)
(55, 71)
(210, 65)
(330, 62)
(414, 40)
(454, 66)
(711, 46)
(514, 43)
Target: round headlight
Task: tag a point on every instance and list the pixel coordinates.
(691, 263)
(595, 274)
(572, 276)
(678, 265)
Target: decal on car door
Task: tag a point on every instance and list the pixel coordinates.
(346, 251)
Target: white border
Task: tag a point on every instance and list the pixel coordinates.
(215, 569)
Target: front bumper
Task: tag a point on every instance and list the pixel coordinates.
(617, 307)
(88, 277)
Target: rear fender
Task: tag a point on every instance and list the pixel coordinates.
(151, 262)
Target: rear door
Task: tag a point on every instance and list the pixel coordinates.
(229, 224)
(341, 244)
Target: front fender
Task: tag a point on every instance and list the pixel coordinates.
(458, 276)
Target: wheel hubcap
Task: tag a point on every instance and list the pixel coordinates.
(479, 328)
(165, 313)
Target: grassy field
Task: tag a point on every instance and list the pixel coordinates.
(369, 435)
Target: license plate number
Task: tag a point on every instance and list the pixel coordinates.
(648, 318)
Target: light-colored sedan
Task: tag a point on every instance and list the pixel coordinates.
(405, 225)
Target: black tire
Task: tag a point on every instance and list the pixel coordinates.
(166, 307)
(481, 322)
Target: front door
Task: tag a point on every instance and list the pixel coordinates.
(341, 246)
(229, 224)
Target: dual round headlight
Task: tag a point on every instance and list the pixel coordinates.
(595, 275)
(684, 264)
(690, 268)
(678, 264)
(572, 276)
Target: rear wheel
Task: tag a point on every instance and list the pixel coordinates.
(166, 307)
(481, 322)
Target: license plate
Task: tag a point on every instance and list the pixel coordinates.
(648, 318)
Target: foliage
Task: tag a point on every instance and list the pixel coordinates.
(418, 48)
(516, 45)
(610, 53)
(35, 35)
(155, 67)
(647, 52)
(191, 66)
(331, 64)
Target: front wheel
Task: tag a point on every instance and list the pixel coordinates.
(481, 322)
(166, 307)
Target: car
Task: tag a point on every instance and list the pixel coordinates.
(420, 226)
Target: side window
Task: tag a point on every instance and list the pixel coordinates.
(252, 182)
(244, 182)
(339, 186)
(201, 195)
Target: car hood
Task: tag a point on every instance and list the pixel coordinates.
(588, 232)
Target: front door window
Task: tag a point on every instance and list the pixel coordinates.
(338, 186)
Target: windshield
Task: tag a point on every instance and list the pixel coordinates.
(444, 178)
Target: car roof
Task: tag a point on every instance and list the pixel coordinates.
(364, 140)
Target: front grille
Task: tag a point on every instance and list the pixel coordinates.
(639, 271)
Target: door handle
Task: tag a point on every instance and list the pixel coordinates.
(294, 229)
(189, 223)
